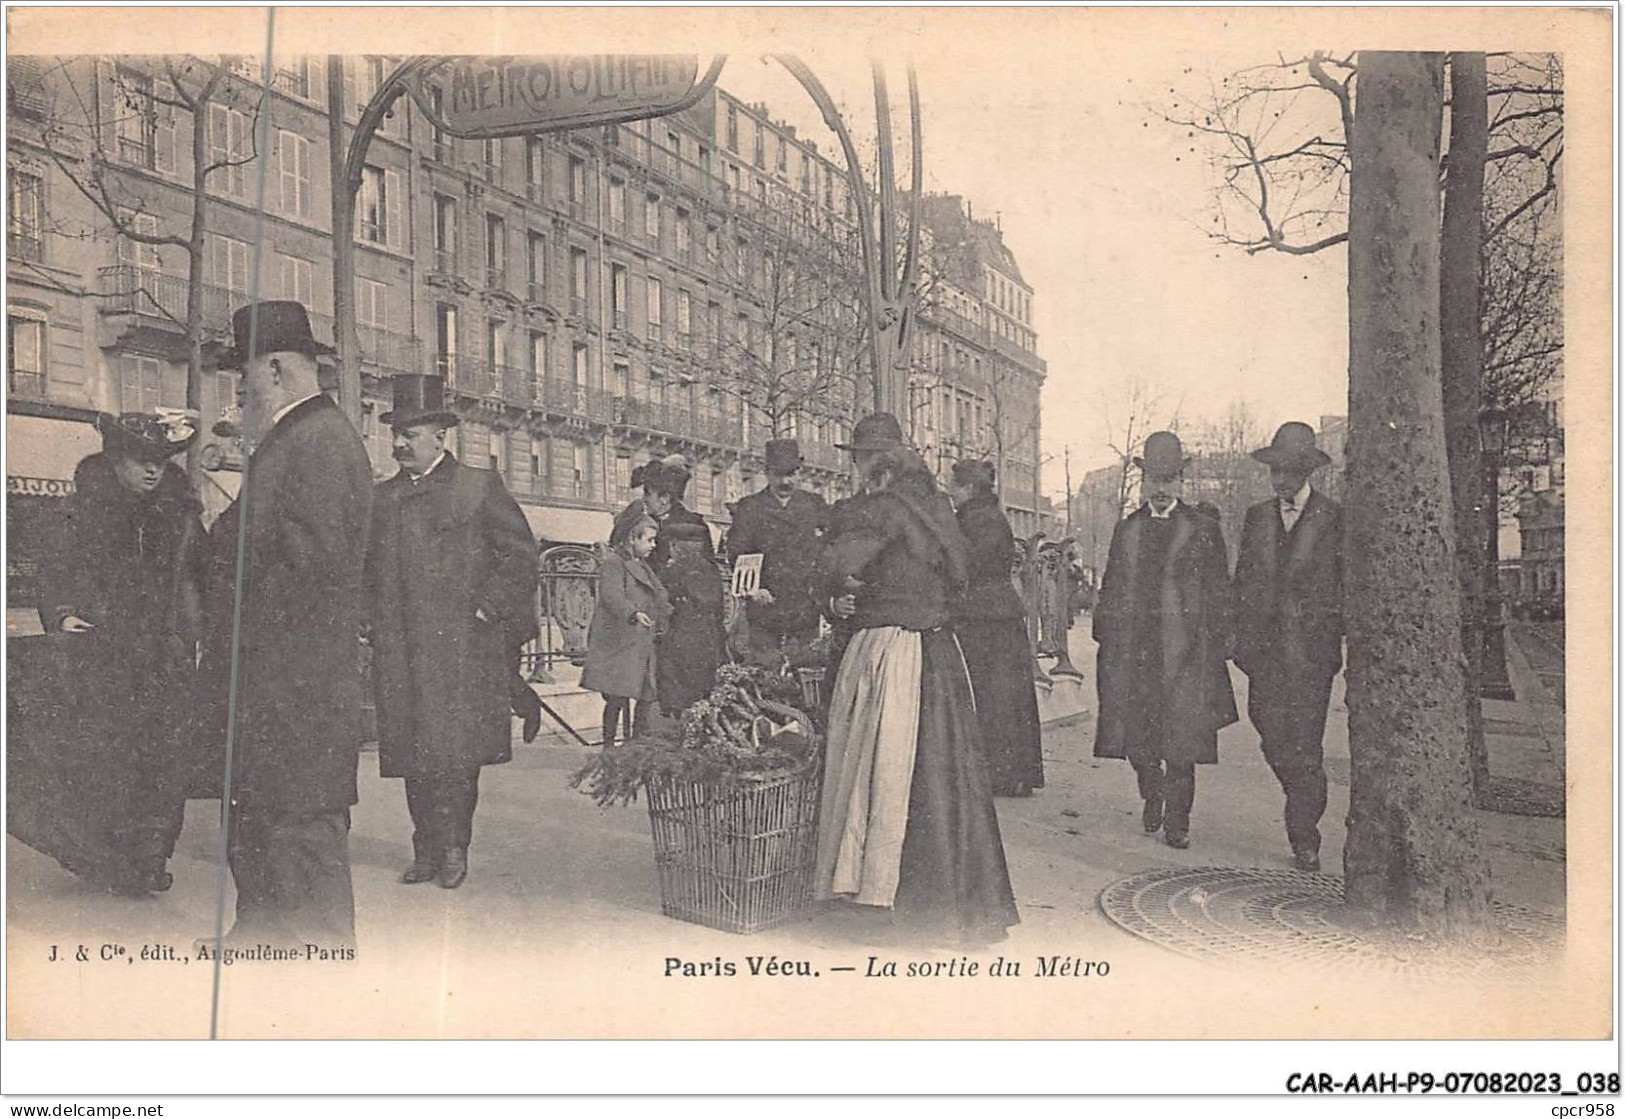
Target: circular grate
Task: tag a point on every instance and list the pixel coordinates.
(1273, 916)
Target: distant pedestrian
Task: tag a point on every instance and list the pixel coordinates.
(451, 581)
(303, 517)
(785, 525)
(1162, 622)
(992, 631)
(125, 593)
(1289, 627)
(688, 653)
(632, 609)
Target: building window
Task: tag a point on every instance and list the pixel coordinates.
(684, 318)
(657, 299)
(296, 278)
(231, 146)
(713, 244)
(651, 218)
(492, 152)
(538, 359)
(496, 344)
(623, 379)
(536, 265)
(293, 166)
(441, 142)
(145, 125)
(733, 127)
(25, 221)
(445, 341)
(617, 296)
(535, 167)
(682, 234)
(25, 355)
(445, 233)
(758, 148)
(371, 303)
(496, 251)
(135, 253)
(578, 282)
(371, 222)
(782, 163)
(578, 184)
(228, 263)
(582, 364)
(141, 384)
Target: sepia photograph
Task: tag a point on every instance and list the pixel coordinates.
(825, 524)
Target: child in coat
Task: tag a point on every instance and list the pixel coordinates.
(693, 645)
(632, 609)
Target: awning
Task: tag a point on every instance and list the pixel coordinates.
(560, 524)
(42, 453)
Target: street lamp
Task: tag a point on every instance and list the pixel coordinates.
(1494, 425)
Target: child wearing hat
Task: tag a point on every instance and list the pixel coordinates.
(688, 653)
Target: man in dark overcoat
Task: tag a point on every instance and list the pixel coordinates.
(451, 584)
(301, 519)
(785, 524)
(1289, 626)
(1162, 622)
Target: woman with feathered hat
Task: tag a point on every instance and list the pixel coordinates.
(126, 590)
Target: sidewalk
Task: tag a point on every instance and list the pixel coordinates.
(553, 877)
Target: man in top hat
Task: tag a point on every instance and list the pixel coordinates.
(302, 517)
(451, 584)
(1289, 626)
(1162, 622)
(785, 524)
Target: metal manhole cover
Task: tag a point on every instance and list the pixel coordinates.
(1273, 916)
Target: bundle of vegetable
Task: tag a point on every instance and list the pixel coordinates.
(736, 733)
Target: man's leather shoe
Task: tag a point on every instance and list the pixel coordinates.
(1306, 860)
(453, 868)
(422, 870)
(1151, 818)
(1177, 839)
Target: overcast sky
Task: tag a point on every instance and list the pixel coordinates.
(1102, 205)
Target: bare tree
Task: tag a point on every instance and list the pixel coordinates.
(1223, 471)
(94, 139)
(1277, 134)
(802, 353)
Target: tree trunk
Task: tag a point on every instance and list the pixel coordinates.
(194, 285)
(1412, 856)
(1462, 353)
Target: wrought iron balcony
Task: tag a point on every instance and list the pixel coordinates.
(538, 291)
(496, 279)
(471, 378)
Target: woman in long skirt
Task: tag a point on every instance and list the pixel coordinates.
(907, 819)
(100, 757)
(992, 631)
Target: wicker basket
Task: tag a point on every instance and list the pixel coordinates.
(740, 857)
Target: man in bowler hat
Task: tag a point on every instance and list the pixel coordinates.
(785, 524)
(1289, 626)
(301, 520)
(1162, 622)
(451, 584)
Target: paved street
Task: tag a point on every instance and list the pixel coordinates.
(554, 877)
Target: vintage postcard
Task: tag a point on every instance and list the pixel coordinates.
(1146, 432)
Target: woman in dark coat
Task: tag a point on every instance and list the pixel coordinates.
(663, 482)
(688, 653)
(992, 632)
(107, 801)
(906, 820)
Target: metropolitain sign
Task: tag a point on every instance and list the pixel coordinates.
(485, 98)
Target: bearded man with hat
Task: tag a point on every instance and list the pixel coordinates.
(785, 524)
(451, 591)
(1289, 628)
(288, 630)
(1163, 622)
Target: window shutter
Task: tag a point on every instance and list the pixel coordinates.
(395, 211)
(316, 78)
(163, 136)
